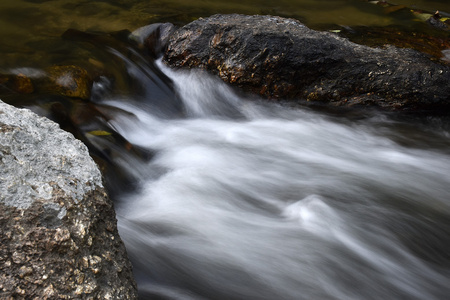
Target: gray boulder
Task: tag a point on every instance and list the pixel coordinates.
(281, 58)
(58, 234)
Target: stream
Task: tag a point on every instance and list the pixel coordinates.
(223, 195)
(243, 199)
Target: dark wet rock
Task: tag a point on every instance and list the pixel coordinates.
(155, 37)
(282, 58)
(436, 21)
(58, 237)
(157, 41)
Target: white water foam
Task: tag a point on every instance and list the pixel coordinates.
(255, 201)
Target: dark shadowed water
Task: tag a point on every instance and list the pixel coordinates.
(221, 195)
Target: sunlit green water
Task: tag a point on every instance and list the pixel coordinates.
(30, 29)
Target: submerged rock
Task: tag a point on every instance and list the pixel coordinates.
(283, 59)
(58, 237)
(71, 81)
(19, 83)
(65, 80)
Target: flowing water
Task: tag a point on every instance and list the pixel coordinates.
(248, 200)
(221, 195)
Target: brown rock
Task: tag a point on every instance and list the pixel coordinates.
(70, 81)
(19, 83)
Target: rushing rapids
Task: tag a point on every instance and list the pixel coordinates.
(241, 199)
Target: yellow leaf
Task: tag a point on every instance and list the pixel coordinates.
(100, 133)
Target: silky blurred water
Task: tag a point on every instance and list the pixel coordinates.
(248, 200)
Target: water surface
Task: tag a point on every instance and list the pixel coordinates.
(30, 30)
(249, 200)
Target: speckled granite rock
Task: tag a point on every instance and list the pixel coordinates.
(58, 234)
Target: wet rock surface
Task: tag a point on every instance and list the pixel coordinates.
(281, 58)
(58, 237)
(155, 37)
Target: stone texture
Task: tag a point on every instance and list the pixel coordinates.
(58, 231)
(281, 58)
(71, 81)
(155, 37)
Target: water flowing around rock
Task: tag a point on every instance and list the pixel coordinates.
(248, 200)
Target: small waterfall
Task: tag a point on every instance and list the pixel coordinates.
(248, 200)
